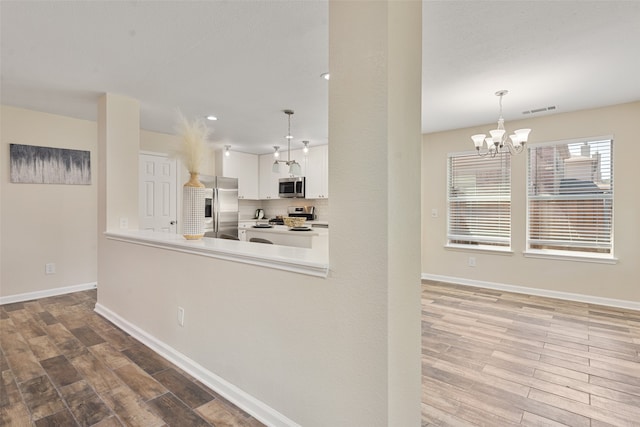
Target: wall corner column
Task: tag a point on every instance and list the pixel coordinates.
(118, 148)
(375, 61)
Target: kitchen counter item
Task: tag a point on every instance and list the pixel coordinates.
(262, 226)
(291, 221)
(316, 239)
(300, 229)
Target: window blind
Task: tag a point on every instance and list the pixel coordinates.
(570, 196)
(479, 200)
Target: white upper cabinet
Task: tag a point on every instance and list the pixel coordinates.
(243, 166)
(317, 172)
(268, 179)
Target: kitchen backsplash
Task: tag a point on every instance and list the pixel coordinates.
(247, 208)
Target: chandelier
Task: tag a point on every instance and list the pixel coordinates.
(294, 167)
(499, 142)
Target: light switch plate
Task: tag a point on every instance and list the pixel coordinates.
(49, 268)
(180, 316)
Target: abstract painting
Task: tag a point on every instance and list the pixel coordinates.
(48, 165)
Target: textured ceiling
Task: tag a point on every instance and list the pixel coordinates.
(246, 61)
(569, 54)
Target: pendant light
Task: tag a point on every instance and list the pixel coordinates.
(294, 167)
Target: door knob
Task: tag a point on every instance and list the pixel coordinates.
(173, 222)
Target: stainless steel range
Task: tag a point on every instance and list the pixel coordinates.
(308, 212)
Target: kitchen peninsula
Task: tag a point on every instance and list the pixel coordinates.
(313, 262)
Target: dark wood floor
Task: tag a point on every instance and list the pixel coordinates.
(64, 365)
(489, 358)
(492, 358)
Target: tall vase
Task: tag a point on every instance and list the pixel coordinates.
(193, 195)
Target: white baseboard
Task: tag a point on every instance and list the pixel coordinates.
(240, 398)
(47, 293)
(610, 302)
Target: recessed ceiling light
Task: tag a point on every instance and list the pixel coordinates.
(210, 117)
(325, 76)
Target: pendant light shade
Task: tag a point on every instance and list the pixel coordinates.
(295, 169)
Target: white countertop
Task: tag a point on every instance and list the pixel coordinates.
(300, 260)
(253, 221)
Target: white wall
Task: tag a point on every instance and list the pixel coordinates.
(47, 223)
(162, 143)
(118, 142)
(618, 282)
(43, 223)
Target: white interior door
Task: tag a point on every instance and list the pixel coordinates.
(157, 192)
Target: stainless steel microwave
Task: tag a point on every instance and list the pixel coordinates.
(291, 187)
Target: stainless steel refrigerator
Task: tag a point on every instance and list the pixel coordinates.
(221, 206)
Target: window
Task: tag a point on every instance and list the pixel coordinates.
(570, 197)
(479, 201)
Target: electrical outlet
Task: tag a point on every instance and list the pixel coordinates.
(124, 223)
(434, 213)
(180, 316)
(472, 261)
(49, 268)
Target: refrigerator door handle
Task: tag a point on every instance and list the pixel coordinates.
(216, 214)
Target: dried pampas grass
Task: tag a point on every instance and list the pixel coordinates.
(193, 148)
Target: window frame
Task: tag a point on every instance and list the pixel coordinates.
(478, 243)
(573, 254)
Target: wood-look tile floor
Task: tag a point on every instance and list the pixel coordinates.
(492, 358)
(64, 365)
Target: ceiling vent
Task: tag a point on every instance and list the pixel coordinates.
(539, 110)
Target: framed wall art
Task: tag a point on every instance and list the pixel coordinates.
(47, 165)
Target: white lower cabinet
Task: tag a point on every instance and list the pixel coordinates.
(242, 234)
